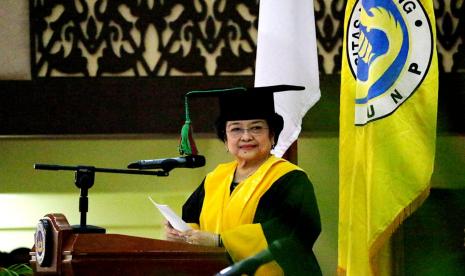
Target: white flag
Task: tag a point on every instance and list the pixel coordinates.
(287, 54)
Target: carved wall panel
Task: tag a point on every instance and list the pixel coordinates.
(450, 27)
(184, 37)
(142, 38)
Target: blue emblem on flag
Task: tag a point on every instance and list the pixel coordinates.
(389, 49)
(384, 48)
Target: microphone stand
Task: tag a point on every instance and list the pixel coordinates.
(84, 180)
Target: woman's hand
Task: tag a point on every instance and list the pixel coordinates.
(201, 238)
(191, 236)
(173, 234)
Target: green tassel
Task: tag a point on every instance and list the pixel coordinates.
(187, 144)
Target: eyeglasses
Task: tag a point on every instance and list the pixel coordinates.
(238, 131)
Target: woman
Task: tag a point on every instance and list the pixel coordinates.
(258, 202)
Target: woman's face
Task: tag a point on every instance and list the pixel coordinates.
(248, 140)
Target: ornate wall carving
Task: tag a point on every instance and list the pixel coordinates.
(180, 37)
(450, 27)
(142, 38)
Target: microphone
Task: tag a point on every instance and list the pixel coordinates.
(247, 266)
(167, 164)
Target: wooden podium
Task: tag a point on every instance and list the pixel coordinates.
(58, 250)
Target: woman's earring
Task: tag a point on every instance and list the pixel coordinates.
(272, 146)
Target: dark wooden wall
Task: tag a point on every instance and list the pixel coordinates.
(65, 97)
(156, 105)
(106, 105)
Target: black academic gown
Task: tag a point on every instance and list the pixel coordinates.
(289, 216)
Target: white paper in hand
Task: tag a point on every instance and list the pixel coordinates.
(171, 217)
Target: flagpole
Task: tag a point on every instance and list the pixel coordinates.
(291, 153)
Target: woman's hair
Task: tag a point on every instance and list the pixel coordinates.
(275, 123)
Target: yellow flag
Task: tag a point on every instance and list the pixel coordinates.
(389, 86)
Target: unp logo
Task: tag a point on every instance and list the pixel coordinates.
(389, 48)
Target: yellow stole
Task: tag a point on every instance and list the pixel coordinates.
(231, 215)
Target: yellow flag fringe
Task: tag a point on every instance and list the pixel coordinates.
(387, 233)
(398, 220)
